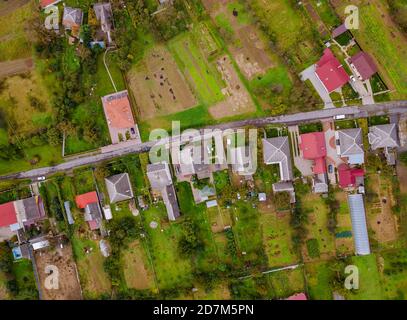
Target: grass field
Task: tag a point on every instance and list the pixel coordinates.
(291, 30)
(24, 276)
(393, 273)
(286, 283)
(172, 270)
(94, 280)
(317, 224)
(14, 40)
(379, 36)
(4, 295)
(277, 239)
(25, 102)
(370, 287)
(249, 235)
(318, 276)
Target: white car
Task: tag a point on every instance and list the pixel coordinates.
(41, 178)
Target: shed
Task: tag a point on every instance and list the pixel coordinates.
(67, 206)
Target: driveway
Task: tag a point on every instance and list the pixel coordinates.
(309, 74)
(364, 89)
(331, 154)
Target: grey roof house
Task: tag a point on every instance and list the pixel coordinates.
(160, 179)
(277, 151)
(359, 228)
(349, 144)
(103, 12)
(72, 18)
(159, 175)
(119, 187)
(383, 136)
(171, 203)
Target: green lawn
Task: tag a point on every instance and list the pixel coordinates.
(318, 276)
(326, 13)
(24, 275)
(370, 287)
(286, 283)
(249, 235)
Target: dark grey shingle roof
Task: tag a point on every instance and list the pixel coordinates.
(277, 151)
(351, 141)
(119, 187)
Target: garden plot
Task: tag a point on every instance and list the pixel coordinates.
(89, 259)
(380, 216)
(238, 100)
(320, 242)
(137, 271)
(10, 68)
(69, 287)
(243, 39)
(158, 86)
(276, 231)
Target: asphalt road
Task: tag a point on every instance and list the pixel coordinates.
(389, 108)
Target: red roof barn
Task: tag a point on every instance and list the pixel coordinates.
(330, 71)
(87, 198)
(348, 176)
(313, 148)
(8, 215)
(364, 65)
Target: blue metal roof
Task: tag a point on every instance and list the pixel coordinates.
(359, 228)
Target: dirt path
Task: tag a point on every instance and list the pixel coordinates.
(7, 7)
(10, 68)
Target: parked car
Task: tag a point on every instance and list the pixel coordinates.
(330, 168)
(42, 178)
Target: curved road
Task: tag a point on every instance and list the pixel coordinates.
(353, 112)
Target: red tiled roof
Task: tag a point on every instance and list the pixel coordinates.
(298, 296)
(118, 111)
(347, 176)
(313, 148)
(364, 63)
(46, 3)
(84, 199)
(330, 71)
(8, 214)
(313, 145)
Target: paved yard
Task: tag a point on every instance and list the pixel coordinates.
(305, 166)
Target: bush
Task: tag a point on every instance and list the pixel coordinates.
(313, 248)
